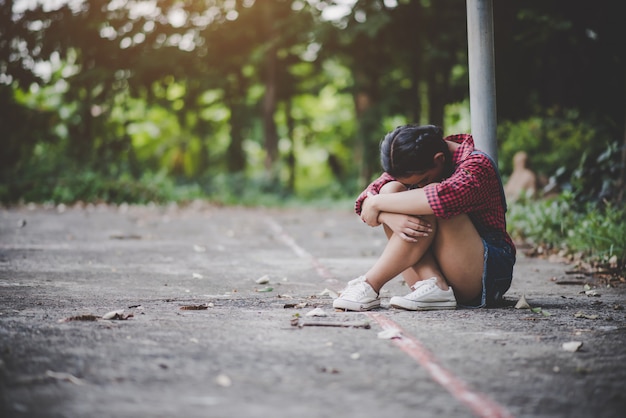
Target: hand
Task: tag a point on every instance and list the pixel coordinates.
(407, 227)
(369, 214)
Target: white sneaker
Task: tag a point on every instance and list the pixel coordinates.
(426, 295)
(357, 296)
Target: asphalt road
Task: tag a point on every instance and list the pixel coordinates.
(195, 335)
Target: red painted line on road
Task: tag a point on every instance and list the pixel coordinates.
(322, 271)
(479, 403)
(476, 401)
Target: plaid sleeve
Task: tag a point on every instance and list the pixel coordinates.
(459, 138)
(373, 188)
(468, 189)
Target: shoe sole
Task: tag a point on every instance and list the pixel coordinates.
(434, 306)
(355, 306)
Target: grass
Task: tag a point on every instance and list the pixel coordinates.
(594, 233)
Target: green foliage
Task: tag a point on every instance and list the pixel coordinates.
(596, 179)
(239, 189)
(89, 186)
(598, 233)
(551, 141)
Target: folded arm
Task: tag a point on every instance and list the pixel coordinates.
(411, 202)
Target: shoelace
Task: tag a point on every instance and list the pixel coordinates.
(423, 288)
(355, 289)
(419, 284)
(355, 281)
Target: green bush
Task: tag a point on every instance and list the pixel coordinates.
(551, 141)
(596, 232)
(601, 233)
(90, 186)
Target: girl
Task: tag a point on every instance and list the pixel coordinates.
(442, 207)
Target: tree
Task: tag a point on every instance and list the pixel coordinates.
(399, 56)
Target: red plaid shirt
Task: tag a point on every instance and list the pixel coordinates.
(473, 188)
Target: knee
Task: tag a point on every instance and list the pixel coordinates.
(393, 187)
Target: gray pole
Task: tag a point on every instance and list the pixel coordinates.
(482, 78)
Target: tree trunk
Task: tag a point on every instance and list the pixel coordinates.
(270, 98)
(236, 158)
(291, 156)
(436, 94)
(622, 181)
(368, 128)
(269, 109)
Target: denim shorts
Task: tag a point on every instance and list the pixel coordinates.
(499, 259)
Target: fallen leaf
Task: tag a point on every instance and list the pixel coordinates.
(263, 279)
(572, 346)
(541, 311)
(65, 377)
(316, 312)
(522, 304)
(328, 292)
(194, 307)
(265, 289)
(113, 314)
(295, 305)
(223, 381)
(80, 318)
(124, 236)
(297, 322)
(585, 316)
(390, 333)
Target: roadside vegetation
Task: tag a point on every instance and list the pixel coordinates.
(284, 103)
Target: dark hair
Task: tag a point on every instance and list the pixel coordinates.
(411, 149)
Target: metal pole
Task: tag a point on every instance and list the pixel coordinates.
(482, 76)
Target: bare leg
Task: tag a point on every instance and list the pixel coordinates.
(397, 257)
(423, 269)
(459, 251)
(453, 253)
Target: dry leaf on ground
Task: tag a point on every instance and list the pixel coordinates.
(522, 304)
(328, 292)
(390, 333)
(572, 346)
(223, 381)
(81, 318)
(118, 314)
(583, 315)
(65, 377)
(194, 307)
(265, 279)
(316, 312)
